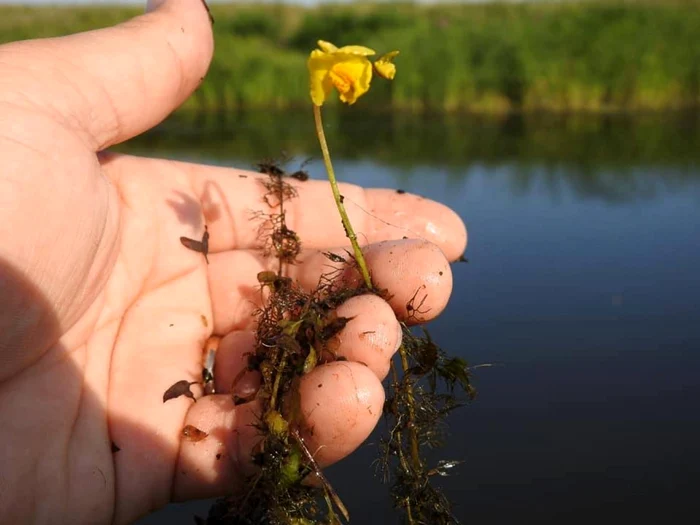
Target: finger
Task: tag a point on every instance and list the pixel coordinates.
(210, 467)
(376, 214)
(216, 463)
(114, 83)
(371, 336)
(416, 273)
(231, 370)
(341, 404)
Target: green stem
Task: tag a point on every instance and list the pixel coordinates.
(359, 257)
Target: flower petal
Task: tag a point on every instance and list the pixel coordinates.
(384, 66)
(326, 46)
(357, 73)
(319, 64)
(361, 51)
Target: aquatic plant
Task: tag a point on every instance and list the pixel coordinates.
(294, 330)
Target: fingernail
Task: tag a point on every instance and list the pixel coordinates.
(152, 5)
(206, 6)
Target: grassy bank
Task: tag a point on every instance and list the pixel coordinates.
(593, 56)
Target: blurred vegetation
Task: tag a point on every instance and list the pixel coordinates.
(605, 55)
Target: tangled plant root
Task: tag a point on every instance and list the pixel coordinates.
(294, 329)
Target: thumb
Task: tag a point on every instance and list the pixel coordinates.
(112, 84)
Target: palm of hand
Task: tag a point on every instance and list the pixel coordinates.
(112, 309)
(122, 332)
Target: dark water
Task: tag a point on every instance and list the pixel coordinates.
(582, 288)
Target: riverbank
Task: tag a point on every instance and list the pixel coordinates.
(598, 56)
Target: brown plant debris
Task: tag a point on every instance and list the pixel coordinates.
(192, 433)
(198, 246)
(181, 388)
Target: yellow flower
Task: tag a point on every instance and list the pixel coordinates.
(347, 68)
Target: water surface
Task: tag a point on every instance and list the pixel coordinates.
(582, 289)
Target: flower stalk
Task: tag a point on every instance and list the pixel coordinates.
(349, 71)
(349, 231)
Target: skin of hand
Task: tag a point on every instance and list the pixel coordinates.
(102, 308)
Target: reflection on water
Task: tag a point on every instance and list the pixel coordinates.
(608, 157)
(582, 288)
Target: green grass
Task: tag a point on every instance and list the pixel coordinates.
(567, 56)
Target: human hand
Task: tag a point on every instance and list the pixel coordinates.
(103, 309)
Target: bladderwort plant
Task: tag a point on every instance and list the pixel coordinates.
(294, 329)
